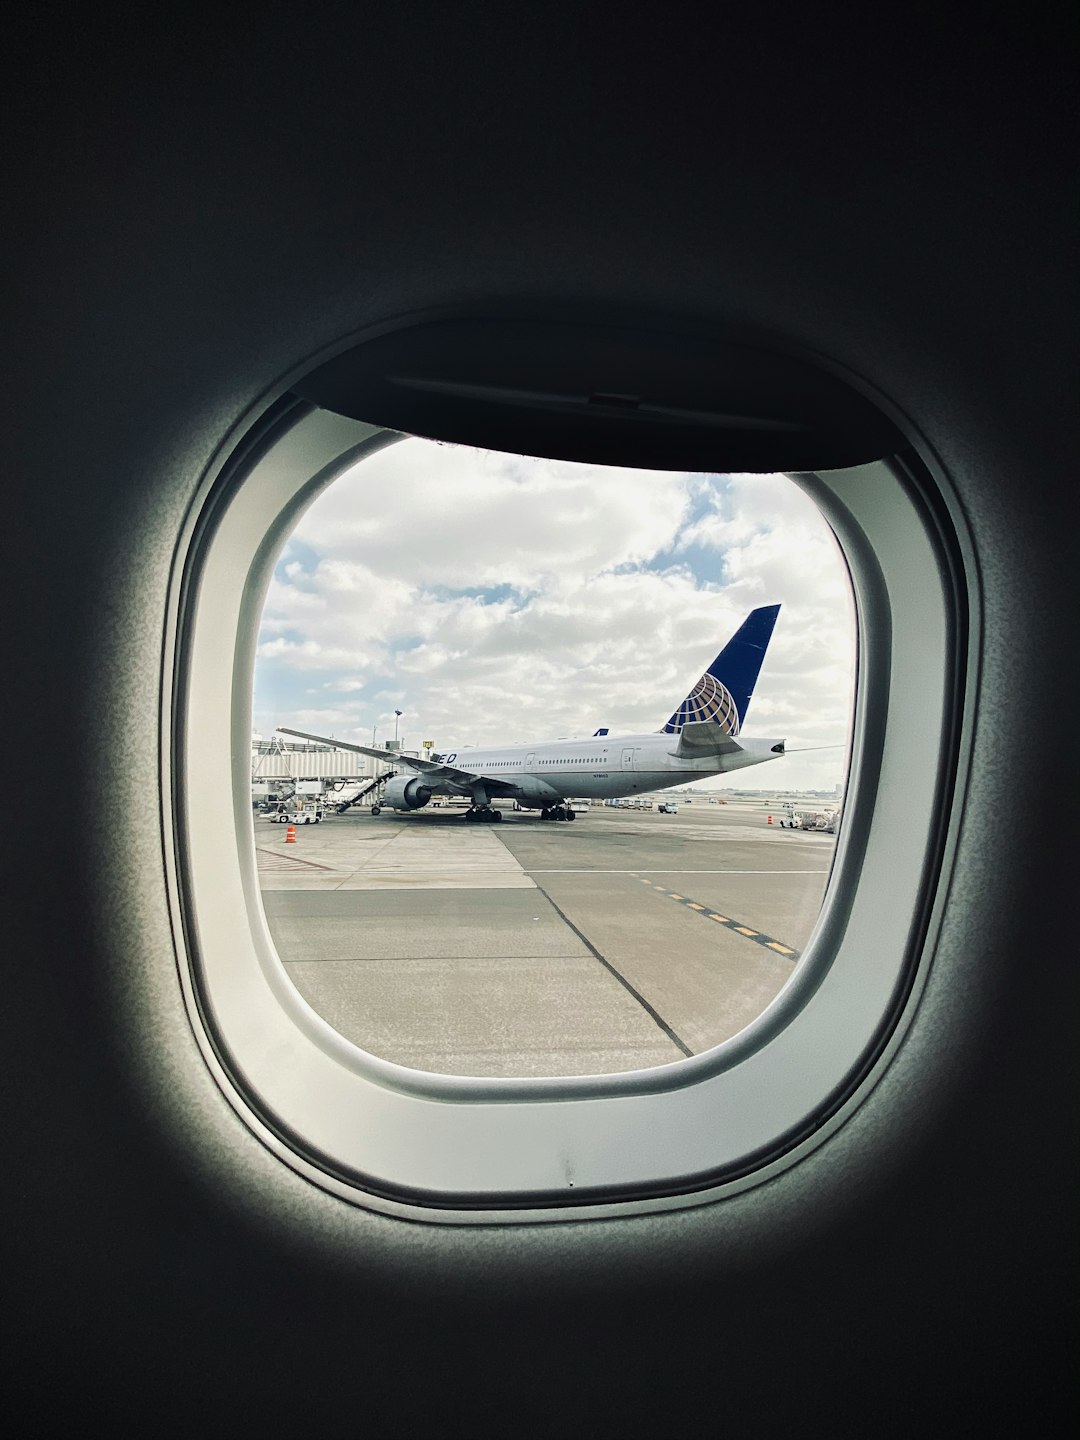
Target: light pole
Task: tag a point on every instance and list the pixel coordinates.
(397, 716)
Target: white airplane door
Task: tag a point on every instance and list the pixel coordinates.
(628, 757)
(530, 761)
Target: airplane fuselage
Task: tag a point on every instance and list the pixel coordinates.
(596, 769)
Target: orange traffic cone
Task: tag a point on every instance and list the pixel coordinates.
(290, 835)
(770, 819)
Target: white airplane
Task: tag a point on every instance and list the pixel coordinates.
(702, 738)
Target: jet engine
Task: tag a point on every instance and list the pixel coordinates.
(405, 794)
(536, 793)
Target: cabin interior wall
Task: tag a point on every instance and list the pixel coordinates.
(189, 231)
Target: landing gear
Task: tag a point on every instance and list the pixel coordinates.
(484, 815)
(375, 809)
(556, 812)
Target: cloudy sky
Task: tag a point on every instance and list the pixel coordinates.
(494, 598)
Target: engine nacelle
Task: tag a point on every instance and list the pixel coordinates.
(403, 793)
(535, 793)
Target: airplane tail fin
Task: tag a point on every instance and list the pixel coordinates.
(723, 693)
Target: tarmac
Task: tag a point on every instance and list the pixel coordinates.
(620, 941)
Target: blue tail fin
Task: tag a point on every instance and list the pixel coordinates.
(723, 692)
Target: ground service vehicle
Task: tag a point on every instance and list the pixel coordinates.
(809, 817)
(859, 245)
(307, 814)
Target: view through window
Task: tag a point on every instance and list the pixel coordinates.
(594, 835)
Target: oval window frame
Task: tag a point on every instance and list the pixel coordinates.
(454, 1148)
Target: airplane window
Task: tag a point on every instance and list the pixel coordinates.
(548, 923)
(664, 998)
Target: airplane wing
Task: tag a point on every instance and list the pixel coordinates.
(704, 737)
(431, 769)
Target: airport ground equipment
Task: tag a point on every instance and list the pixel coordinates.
(308, 813)
(343, 805)
(805, 817)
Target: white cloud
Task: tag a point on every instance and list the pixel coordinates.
(446, 515)
(494, 597)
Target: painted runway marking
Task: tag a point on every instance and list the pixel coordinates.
(777, 946)
(274, 860)
(617, 974)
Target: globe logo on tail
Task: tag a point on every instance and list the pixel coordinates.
(711, 700)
